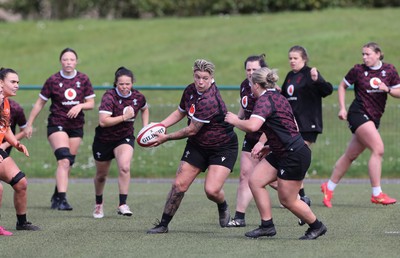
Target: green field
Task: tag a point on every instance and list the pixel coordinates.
(161, 52)
(356, 228)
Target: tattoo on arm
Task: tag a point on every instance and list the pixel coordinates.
(197, 125)
(186, 132)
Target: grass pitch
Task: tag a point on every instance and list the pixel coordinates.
(356, 228)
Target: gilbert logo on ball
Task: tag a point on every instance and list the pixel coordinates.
(146, 135)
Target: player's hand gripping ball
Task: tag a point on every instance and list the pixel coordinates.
(131, 110)
(146, 134)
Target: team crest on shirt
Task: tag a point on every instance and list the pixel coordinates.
(78, 84)
(245, 101)
(383, 73)
(374, 82)
(290, 90)
(192, 109)
(70, 94)
(60, 84)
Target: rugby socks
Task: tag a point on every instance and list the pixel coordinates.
(302, 192)
(267, 223)
(376, 190)
(316, 224)
(55, 191)
(21, 219)
(165, 220)
(331, 185)
(122, 199)
(61, 196)
(239, 215)
(222, 206)
(99, 199)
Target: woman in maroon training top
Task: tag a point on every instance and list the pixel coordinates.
(287, 162)
(373, 82)
(114, 137)
(71, 93)
(212, 144)
(251, 142)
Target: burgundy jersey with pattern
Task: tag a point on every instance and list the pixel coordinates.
(279, 123)
(247, 101)
(64, 94)
(209, 109)
(368, 98)
(113, 103)
(17, 116)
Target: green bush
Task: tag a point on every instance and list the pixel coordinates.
(55, 9)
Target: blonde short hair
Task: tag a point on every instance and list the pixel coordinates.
(203, 66)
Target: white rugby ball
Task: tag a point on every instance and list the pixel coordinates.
(124, 111)
(146, 134)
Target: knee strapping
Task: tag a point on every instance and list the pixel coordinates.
(64, 153)
(17, 178)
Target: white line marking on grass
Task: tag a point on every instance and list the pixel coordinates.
(392, 232)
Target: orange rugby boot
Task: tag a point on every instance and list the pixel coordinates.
(383, 199)
(327, 195)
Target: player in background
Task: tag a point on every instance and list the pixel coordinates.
(251, 142)
(9, 171)
(304, 87)
(212, 144)
(373, 81)
(71, 93)
(287, 162)
(115, 138)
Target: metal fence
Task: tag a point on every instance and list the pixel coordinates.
(163, 161)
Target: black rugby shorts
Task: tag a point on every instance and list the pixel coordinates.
(105, 151)
(202, 158)
(356, 119)
(294, 165)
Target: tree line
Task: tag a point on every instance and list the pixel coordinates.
(117, 9)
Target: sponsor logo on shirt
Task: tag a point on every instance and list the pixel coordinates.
(70, 95)
(290, 92)
(245, 101)
(374, 82)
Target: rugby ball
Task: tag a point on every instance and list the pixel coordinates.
(124, 111)
(146, 134)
